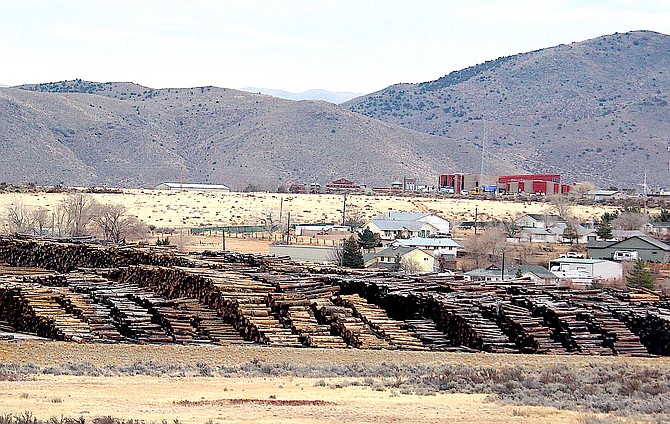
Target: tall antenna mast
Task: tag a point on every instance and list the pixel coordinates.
(481, 168)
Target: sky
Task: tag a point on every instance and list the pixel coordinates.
(357, 46)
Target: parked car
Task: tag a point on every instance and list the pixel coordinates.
(572, 255)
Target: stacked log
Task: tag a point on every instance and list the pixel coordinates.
(375, 317)
(351, 328)
(529, 333)
(295, 312)
(462, 320)
(36, 309)
(426, 331)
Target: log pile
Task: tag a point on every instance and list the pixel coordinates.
(351, 328)
(530, 333)
(295, 312)
(375, 317)
(461, 318)
(426, 331)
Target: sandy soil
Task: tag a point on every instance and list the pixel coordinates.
(268, 399)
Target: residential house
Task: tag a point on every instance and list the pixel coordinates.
(659, 229)
(647, 248)
(436, 246)
(399, 257)
(393, 225)
(192, 187)
(535, 273)
(596, 269)
(539, 220)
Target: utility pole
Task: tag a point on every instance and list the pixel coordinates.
(281, 210)
(288, 229)
(475, 220)
(223, 239)
(502, 272)
(344, 209)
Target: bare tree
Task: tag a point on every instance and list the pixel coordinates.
(41, 219)
(18, 217)
(79, 212)
(115, 225)
(562, 205)
(630, 220)
(268, 221)
(410, 265)
(493, 241)
(581, 189)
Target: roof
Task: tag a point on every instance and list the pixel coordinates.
(510, 272)
(579, 261)
(542, 217)
(645, 238)
(537, 231)
(429, 241)
(196, 186)
(395, 251)
(389, 225)
(400, 216)
(658, 224)
(603, 192)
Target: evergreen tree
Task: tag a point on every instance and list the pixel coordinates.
(352, 256)
(604, 229)
(640, 276)
(368, 239)
(664, 216)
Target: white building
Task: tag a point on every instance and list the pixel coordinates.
(393, 225)
(192, 187)
(596, 269)
(437, 246)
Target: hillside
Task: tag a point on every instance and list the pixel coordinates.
(594, 110)
(315, 94)
(123, 134)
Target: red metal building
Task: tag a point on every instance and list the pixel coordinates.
(533, 184)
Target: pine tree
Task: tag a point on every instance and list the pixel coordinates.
(352, 256)
(640, 276)
(604, 229)
(368, 239)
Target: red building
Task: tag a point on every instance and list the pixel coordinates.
(533, 184)
(342, 185)
(459, 181)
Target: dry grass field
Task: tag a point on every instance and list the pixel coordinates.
(276, 385)
(193, 209)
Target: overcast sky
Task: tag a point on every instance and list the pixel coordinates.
(360, 46)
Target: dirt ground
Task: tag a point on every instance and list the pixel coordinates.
(262, 399)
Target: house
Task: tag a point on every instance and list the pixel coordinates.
(537, 235)
(399, 257)
(596, 269)
(436, 246)
(658, 228)
(535, 273)
(539, 220)
(193, 187)
(392, 225)
(603, 195)
(625, 234)
(647, 248)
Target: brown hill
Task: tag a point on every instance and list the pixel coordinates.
(594, 110)
(78, 132)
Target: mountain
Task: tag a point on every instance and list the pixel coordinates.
(324, 95)
(122, 134)
(593, 110)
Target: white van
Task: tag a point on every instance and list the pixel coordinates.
(625, 255)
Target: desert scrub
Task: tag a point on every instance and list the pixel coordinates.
(624, 389)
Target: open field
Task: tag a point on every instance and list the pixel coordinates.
(257, 384)
(193, 209)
